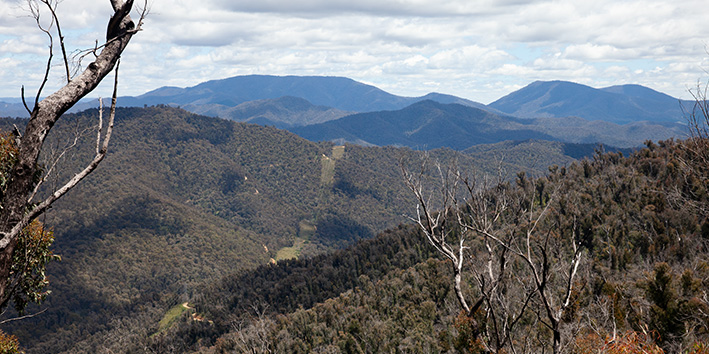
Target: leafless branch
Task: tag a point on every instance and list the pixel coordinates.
(100, 154)
(80, 55)
(436, 226)
(24, 102)
(52, 9)
(57, 158)
(698, 116)
(16, 213)
(35, 13)
(22, 317)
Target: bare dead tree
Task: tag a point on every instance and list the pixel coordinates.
(695, 159)
(698, 116)
(501, 238)
(252, 336)
(552, 258)
(438, 225)
(18, 203)
(494, 268)
(456, 219)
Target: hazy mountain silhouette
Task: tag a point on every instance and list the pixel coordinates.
(430, 125)
(293, 101)
(337, 92)
(426, 124)
(616, 104)
(282, 112)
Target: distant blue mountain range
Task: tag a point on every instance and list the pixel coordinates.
(338, 108)
(336, 92)
(428, 124)
(616, 104)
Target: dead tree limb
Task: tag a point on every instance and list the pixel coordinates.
(17, 209)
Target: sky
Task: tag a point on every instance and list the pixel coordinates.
(476, 49)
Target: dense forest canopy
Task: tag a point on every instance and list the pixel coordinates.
(182, 200)
(639, 220)
(642, 225)
(509, 234)
(189, 199)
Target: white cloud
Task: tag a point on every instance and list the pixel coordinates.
(593, 52)
(34, 45)
(310, 8)
(475, 49)
(473, 57)
(512, 70)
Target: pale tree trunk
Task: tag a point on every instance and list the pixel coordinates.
(17, 210)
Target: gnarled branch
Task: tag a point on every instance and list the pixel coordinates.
(17, 209)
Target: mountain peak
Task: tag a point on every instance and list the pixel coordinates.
(635, 90)
(617, 104)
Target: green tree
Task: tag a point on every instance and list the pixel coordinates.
(665, 312)
(8, 344)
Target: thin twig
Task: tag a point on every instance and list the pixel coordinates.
(55, 19)
(24, 102)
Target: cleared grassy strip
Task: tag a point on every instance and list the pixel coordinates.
(306, 228)
(327, 174)
(338, 152)
(290, 252)
(170, 317)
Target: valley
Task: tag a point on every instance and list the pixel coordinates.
(354, 177)
(192, 216)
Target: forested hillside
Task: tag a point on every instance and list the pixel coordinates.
(281, 112)
(182, 200)
(640, 230)
(318, 177)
